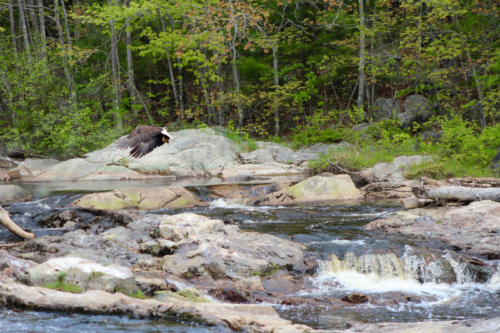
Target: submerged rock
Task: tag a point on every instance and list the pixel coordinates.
(141, 198)
(451, 326)
(83, 275)
(356, 298)
(13, 193)
(324, 187)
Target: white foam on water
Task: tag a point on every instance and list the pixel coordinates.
(385, 273)
(372, 283)
(236, 204)
(340, 242)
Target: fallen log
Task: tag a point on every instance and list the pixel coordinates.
(456, 193)
(12, 226)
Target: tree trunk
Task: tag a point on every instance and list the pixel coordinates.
(205, 92)
(130, 68)
(222, 107)
(77, 23)
(170, 67)
(181, 87)
(12, 26)
(66, 26)
(115, 81)
(12, 226)
(41, 15)
(276, 91)
(61, 42)
(235, 69)
(31, 11)
(22, 23)
(361, 85)
(181, 82)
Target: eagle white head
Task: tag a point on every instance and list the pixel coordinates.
(166, 134)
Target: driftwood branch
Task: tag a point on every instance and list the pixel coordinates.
(12, 226)
(334, 168)
(457, 193)
(8, 159)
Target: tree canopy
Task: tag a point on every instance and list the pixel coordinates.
(76, 74)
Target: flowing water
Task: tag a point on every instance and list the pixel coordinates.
(405, 279)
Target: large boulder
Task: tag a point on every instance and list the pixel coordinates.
(392, 171)
(13, 193)
(32, 167)
(417, 108)
(68, 170)
(259, 156)
(363, 129)
(207, 249)
(495, 163)
(141, 198)
(115, 172)
(471, 228)
(202, 149)
(83, 275)
(324, 187)
(385, 108)
(314, 151)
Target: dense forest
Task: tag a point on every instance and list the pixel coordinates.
(74, 75)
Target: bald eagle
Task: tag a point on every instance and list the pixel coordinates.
(143, 140)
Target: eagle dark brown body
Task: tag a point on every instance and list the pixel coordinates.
(143, 140)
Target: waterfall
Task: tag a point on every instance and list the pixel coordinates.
(410, 267)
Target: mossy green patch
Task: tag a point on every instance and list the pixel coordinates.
(95, 275)
(138, 295)
(181, 202)
(62, 286)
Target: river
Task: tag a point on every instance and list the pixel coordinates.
(392, 271)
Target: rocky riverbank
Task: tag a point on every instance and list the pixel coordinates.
(139, 251)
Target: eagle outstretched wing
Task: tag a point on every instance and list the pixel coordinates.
(147, 146)
(142, 140)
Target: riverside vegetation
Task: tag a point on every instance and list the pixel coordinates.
(76, 75)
